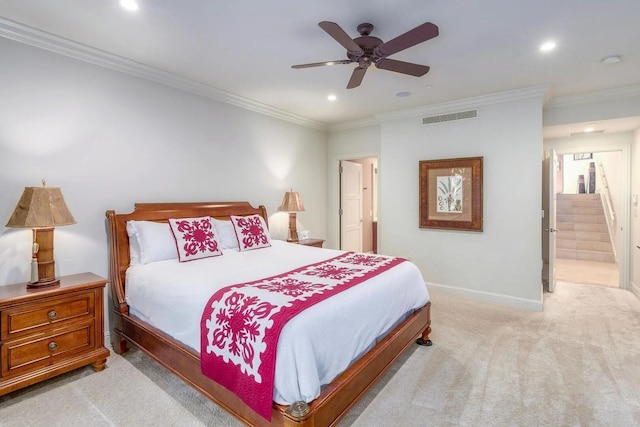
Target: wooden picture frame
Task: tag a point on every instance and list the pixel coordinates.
(451, 194)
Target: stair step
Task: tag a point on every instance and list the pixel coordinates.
(573, 210)
(584, 245)
(571, 226)
(585, 255)
(579, 203)
(583, 219)
(591, 236)
(582, 196)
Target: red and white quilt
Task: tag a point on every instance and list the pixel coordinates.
(241, 324)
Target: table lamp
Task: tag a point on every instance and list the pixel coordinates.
(41, 209)
(292, 203)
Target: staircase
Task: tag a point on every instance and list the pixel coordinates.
(582, 229)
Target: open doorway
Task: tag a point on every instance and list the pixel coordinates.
(359, 204)
(588, 211)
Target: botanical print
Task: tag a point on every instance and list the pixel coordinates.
(449, 196)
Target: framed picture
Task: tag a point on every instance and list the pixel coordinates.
(582, 156)
(451, 194)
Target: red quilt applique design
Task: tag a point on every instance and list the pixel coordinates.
(251, 232)
(241, 324)
(195, 238)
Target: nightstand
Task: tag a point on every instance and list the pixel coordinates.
(50, 331)
(311, 242)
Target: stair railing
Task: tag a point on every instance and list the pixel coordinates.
(609, 214)
(606, 196)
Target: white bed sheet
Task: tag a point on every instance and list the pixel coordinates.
(315, 346)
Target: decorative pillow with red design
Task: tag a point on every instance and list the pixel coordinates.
(195, 238)
(251, 232)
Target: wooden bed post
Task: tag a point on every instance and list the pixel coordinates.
(116, 284)
(424, 339)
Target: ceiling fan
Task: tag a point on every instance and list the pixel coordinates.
(367, 50)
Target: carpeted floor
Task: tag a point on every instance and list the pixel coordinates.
(575, 364)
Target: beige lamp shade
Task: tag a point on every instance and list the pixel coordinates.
(291, 202)
(41, 207)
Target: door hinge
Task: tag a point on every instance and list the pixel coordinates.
(340, 211)
(341, 169)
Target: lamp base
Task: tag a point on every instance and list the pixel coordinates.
(293, 232)
(46, 263)
(43, 284)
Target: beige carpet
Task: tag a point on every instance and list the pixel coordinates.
(575, 364)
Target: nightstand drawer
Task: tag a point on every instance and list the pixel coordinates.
(28, 354)
(30, 318)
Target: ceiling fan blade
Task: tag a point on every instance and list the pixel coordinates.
(320, 64)
(335, 31)
(356, 77)
(419, 34)
(402, 67)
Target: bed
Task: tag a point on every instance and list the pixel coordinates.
(177, 350)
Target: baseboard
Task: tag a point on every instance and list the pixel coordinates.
(635, 289)
(515, 302)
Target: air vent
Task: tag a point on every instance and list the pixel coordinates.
(449, 117)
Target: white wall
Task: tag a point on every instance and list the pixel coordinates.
(635, 215)
(109, 140)
(572, 169)
(503, 263)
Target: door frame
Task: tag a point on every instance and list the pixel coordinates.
(583, 145)
(333, 196)
(346, 197)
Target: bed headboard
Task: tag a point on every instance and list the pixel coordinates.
(118, 238)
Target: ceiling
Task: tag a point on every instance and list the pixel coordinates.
(246, 48)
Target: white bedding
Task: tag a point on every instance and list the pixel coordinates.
(315, 346)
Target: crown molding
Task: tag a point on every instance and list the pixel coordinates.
(595, 96)
(335, 127)
(59, 45)
(539, 91)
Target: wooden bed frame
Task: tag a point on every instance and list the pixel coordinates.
(335, 399)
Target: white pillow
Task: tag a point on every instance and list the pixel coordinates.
(155, 241)
(251, 232)
(195, 238)
(134, 248)
(226, 234)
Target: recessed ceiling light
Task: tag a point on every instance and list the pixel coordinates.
(613, 59)
(589, 129)
(130, 5)
(547, 46)
(332, 97)
(403, 94)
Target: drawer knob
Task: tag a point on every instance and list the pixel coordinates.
(52, 314)
(53, 346)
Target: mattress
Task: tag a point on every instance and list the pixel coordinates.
(315, 346)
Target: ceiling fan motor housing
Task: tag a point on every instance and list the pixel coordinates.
(368, 44)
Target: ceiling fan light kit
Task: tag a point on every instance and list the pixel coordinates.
(366, 50)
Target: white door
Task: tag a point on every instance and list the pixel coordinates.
(350, 206)
(553, 167)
